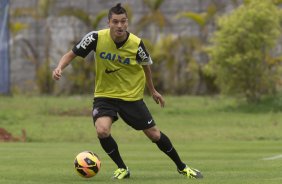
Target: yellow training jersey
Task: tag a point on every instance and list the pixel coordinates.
(119, 72)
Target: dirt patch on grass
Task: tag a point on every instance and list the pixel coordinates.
(6, 136)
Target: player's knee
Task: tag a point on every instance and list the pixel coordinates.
(103, 127)
(102, 131)
(155, 137)
(103, 134)
(153, 134)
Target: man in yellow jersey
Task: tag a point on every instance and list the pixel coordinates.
(122, 70)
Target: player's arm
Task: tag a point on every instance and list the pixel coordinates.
(145, 60)
(155, 94)
(87, 44)
(64, 61)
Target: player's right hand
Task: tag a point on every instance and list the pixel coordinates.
(57, 73)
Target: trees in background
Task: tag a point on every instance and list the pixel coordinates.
(82, 75)
(239, 58)
(197, 54)
(180, 57)
(154, 20)
(240, 52)
(41, 62)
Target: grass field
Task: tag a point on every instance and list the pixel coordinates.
(229, 141)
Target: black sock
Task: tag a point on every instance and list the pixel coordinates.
(165, 145)
(111, 148)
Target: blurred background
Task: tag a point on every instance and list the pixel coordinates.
(199, 47)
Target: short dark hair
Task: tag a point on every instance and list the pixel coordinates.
(118, 9)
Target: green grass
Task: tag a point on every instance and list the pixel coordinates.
(227, 140)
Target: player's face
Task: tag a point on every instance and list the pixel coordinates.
(118, 25)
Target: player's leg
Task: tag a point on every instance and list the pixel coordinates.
(165, 145)
(104, 114)
(137, 115)
(103, 128)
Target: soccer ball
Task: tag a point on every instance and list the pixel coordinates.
(87, 164)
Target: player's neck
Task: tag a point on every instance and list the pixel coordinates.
(120, 44)
(120, 39)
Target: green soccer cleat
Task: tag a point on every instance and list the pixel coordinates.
(191, 173)
(121, 173)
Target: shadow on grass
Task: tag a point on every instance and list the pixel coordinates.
(265, 105)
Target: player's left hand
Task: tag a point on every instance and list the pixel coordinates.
(158, 98)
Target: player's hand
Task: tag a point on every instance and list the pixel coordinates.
(57, 74)
(158, 98)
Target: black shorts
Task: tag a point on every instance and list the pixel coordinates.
(134, 113)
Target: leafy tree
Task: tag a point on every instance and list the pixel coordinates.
(91, 22)
(42, 64)
(204, 21)
(83, 70)
(155, 19)
(176, 71)
(241, 48)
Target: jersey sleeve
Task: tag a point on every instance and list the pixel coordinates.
(87, 44)
(142, 56)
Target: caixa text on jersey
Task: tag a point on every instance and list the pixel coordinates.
(113, 57)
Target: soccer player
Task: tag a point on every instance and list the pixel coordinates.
(122, 69)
